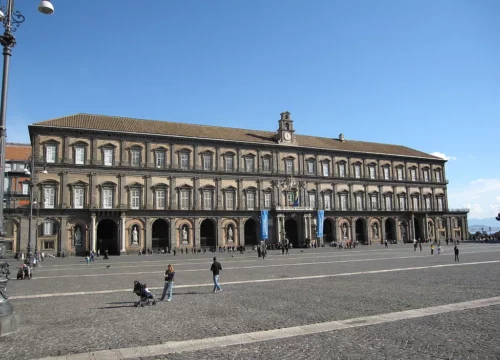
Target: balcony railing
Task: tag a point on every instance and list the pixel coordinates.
(466, 210)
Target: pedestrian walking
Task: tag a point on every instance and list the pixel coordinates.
(439, 249)
(456, 253)
(169, 283)
(432, 249)
(215, 269)
(420, 245)
(386, 243)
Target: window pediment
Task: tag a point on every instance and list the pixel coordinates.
(207, 152)
(135, 185)
(343, 192)
(289, 157)
(135, 147)
(160, 148)
(388, 193)
(80, 143)
(252, 156)
(359, 192)
(268, 189)
(399, 166)
(49, 182)
(325, 161)
(373, 193)
(229, 189)
(78, 183)
(327, 191)
(266, 156)
(341, 162)
(184, 150)
(357, 163)
(426, 167)
(184, 187)
(107, 184)
(207, 187)
(250, 188)
(229, 153)
(107, 145)
(415, 193)
(50, 142)
(159, 185)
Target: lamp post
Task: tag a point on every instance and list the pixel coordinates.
(11, 20)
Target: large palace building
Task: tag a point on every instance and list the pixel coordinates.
(125, 185)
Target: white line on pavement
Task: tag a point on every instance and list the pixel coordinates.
(171, 347)
(37, 296)
(248, 267)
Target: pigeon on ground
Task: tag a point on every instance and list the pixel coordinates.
(108, 266)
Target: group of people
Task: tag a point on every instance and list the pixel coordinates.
(437, 243)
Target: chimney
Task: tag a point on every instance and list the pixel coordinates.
(341, 137)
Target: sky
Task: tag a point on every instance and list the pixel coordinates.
(424, 74)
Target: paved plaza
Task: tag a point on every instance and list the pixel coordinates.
(365, 303)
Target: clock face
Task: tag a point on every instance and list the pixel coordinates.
(288, 136)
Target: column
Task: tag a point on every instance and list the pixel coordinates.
(147, 193)
(258, 200)
(173, 233)
(240, 204)
(336, 229)
(149, 155)
(351, 204)
(382, 229)
(36, 148)
(426, 228)
(436, 234)
(218, 167)
(275, 161)
(63, 237)
(173, 158)
(195, 158)
(122, 192)
(353, 230)
(241, 232)
(93, 232)
(258, 161)
(196, 232)
(122, 153)
(93, 152)
(318, 196)
(218, 194)
(173, 193)
(412, 227)
(66, 158)
(123, 233)
(218, 235)
(239, 161)
(348, 170)
(421, 200)
(147, 234)
(433, 200)
(445, 200)
(366, 205)
(395, 202)
(65, 201)
(335, 197)
(381, 206)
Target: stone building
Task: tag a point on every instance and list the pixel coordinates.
(127, 184)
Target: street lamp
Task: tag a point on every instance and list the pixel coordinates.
(11, 20)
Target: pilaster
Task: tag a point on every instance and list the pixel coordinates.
(173, 234)
(63, 237)
(173, 193)
(196, 157)
(196, 193)
(36, 148)
(123, 234)
(93, 193)
(122, 192)
(219, 238)
(148, 233)
(122, 153)
(351, 205)
(147, 192)
(149, 155)
(93, 152)
(64, 191)
(335, 198)
(218, 194)
(93, 232)
(240, 203)
(66, 157)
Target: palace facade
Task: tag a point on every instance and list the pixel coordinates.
(126, 185)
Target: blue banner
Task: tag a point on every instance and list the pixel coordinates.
(321, 219)
(263, 225)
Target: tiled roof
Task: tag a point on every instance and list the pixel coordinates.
(17, 152)
(140, 126)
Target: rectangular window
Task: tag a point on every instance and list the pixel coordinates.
(415, 203)
(135, 198)
(371, 169)
(312, 200)
(48, 245)
(250, 201)
(326, 169)
(48, 228)
(343, 202)
(374, 202)
(160, 199)
(80, 155)
(160, 159)
(388, 202)
(342, 170)
(108, 157)
(413, 174)
(426, 175)
(249, 164)
(427, 203)
(310, 167)
(184, 161)
(440, 204)
(207, 162)
(438, 176)
(229, 163)
(289, 166)
(78, 198)
(184, 203)
(357, 171)
(107, 198)
(328, 202)
(50, 197)
(402, 203)
(400, 173)
(267, 200)
(290, 198)
(207, 200)
(266, 164)
(50, 154)
(359, 202)
(26, 189)
(229, 200)
(386, 173)
(6, 184)
(8, 167)
(135, 157)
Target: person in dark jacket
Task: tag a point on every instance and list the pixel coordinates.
(215, 269)
(169, 283)
(456, 253)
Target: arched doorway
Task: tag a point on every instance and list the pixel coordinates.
(207, 233)
(327, 231)
(160, 232)
(107, 238)
(251, 232)
(418, 231)
(360, 231)
(291, 232)
(390, 230)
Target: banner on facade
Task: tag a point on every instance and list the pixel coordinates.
(264, 225)
(319, 228)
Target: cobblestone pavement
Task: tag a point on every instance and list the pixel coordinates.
(61, 325)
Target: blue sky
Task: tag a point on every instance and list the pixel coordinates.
(423, 74)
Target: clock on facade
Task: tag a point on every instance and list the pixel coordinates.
(288, 136)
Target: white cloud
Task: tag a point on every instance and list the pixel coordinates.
(481, 196)
(443, 156)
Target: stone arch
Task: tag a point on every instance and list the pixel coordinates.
(375, 230)
(208, 232)
(79, 243)
(250, 228)
(188, 224)
(160, 233)
(12, 234)
(360, 227)
(107, 236)
(329, 230)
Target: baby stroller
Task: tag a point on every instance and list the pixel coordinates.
(145, 298)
